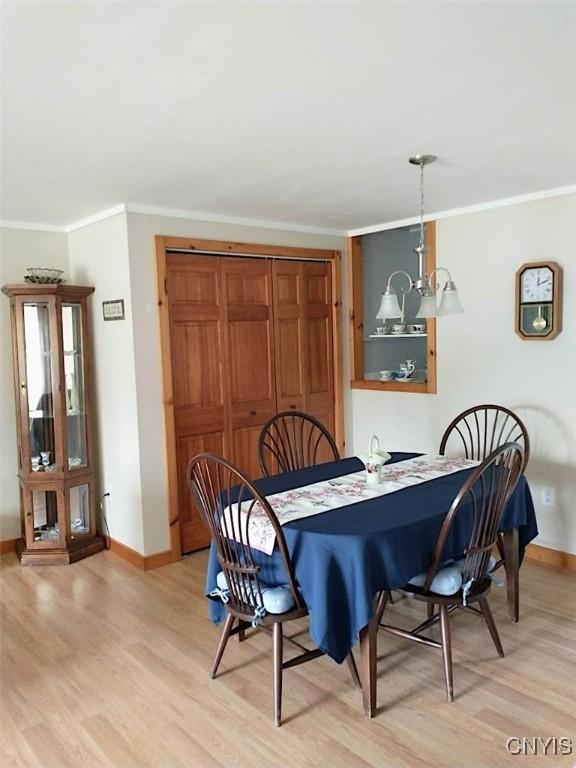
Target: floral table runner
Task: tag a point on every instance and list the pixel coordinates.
(338, 492)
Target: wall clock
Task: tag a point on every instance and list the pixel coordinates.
(538, 305)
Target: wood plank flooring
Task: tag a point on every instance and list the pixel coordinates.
(104, 665)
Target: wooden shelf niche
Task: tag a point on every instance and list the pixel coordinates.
(372, 258)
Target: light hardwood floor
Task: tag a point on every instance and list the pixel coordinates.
(105, 665)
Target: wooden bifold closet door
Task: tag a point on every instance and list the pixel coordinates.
(303, 339)
(249, 337)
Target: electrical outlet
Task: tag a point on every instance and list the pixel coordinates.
(548, 496)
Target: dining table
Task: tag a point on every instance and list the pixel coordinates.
(345, 557)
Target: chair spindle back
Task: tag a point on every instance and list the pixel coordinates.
(481, 429)
(294, 440)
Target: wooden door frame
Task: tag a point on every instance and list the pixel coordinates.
(228, 248)
(357, 322)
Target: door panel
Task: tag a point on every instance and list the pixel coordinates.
(193, 284)
(196, 334)
(194, 533)
(196, 349)
(289, 356)
(246, 446)
(289, 330)
(318, 363)
(319, 343)
(250, 355)
(250, 360)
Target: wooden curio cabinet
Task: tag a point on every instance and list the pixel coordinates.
(51, 352)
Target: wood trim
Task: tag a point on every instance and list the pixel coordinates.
(36, 289)
(561, 561)
(337, 345)
(142, 562)
(8, 545)
(222, 247)
(126, 553)
(355, 313)
(430, 243)
(357, 323)
(160, 559)
(389, 386)
(168, 392)
(248, 249)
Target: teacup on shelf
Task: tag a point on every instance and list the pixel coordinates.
(417, 328)
(399, 328)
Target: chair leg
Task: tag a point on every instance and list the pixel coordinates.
(222, 643)
(446, 650)
(353, 670)
(381, 605)
(430, 610)
(501, 552)
(489, 619)
(277, 642)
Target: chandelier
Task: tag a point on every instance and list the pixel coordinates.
(426, 285)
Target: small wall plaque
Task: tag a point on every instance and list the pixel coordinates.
(113, 310)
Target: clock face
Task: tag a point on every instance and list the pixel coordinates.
(537, 284)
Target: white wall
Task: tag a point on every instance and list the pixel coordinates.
(98, 256)
(481, 359)
(141, 232)
(18, 249)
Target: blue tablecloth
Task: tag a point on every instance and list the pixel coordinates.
(344, 557)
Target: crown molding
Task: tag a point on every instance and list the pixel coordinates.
(32, 226)
(504, 202)
(289, 227)
(106, 214)
(177, 213)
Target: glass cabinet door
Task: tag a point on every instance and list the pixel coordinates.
(45, 516)
(39, 352)
(74, 382)
(79, 502)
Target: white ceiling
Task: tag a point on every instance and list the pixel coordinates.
(302, 113)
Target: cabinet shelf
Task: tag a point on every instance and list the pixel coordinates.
(375, 376)
(396, 336)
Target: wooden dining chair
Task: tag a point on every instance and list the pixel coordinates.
(478, 505)
(294, 440)
(477, 432)
(227, 501)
